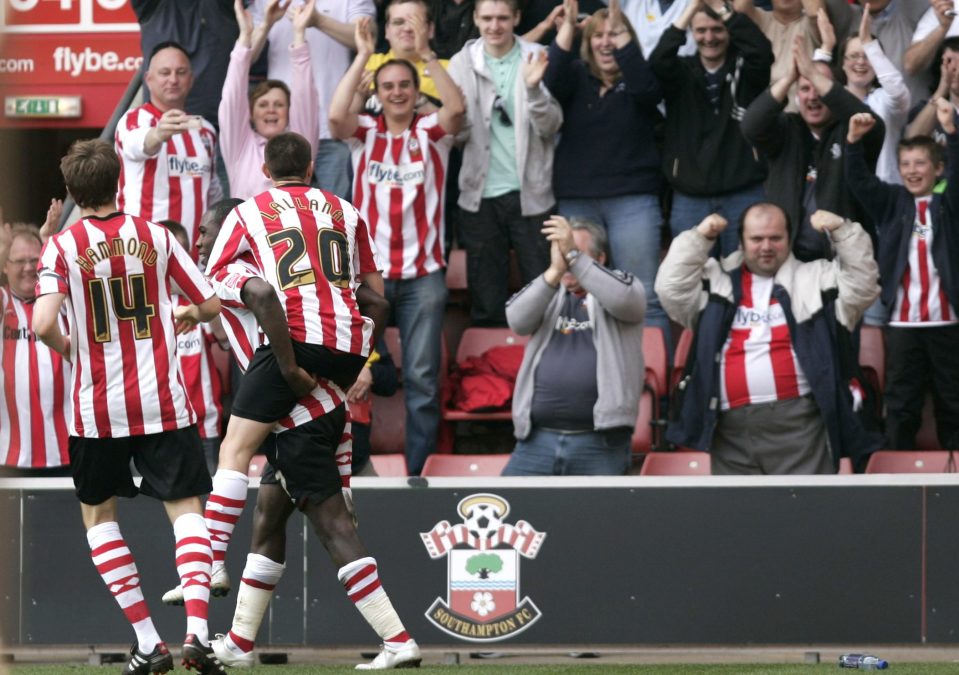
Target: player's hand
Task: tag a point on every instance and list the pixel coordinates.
(946, 114)
(712, 226)
(186, 318)
(300, 381)
(859, 126)
(825, 221)
(54, 213)
(557, 229)
(360, 391)
(534, 68)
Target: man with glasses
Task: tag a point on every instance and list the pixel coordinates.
(507, 174)
(34, 379)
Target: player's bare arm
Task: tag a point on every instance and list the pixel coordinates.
(260, 297)
(46, 310)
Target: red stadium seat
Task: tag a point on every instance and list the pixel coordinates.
(456, 279)
(475, 342)
(392, 465)
(388, 428)
(656, 359)
(680, 463)
(643, 432)
(465, 465)
(845, 466)
(926, 437)
(911, 461)
(680, 358)
(872, 356)
(257, 464)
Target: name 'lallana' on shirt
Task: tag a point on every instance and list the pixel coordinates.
(114, 248)
(300, 203)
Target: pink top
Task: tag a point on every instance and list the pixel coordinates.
(242, 147)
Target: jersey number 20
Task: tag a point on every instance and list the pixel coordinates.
(333, 250)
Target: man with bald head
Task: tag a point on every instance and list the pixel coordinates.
(764, 390)
(167, 155)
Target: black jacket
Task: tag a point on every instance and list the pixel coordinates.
(893, 209)
(704, 151)
(790, 147)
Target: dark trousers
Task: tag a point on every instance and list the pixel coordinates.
(488, 235)
(917, 358)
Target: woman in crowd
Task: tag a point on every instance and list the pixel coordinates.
(869, 74)
(607, 166)
(248, 121)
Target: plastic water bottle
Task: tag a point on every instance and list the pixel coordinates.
(862, 662)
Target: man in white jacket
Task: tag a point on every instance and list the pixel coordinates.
(506, 178)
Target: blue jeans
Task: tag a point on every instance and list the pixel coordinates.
(633, 224)
(418, 307)
(688, 212)
(333, 169)
(552, 453)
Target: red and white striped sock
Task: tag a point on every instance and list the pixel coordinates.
(193, 561)
(260, 577)
(116, 566)
(223, 509)
(362, 584)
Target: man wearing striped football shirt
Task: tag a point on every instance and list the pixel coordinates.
(764, 391)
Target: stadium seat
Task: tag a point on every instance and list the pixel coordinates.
(680, 358)
(456, 278)
(642, 440)
(465, 465)
(257, 464)
(872, 356)
(656, 359)
(926, 437)
(680, 463)
(911, 461)
(391, 465)
(475, 342)
(388, 428)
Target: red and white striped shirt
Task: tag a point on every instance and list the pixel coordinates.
(119, 274)
(921, 300)
(173, 184)
(200, 376)
(310, 246)
(245, 336)
(758, 362)
(35, 381)
(399, 188)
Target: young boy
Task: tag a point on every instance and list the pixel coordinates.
(918, 266)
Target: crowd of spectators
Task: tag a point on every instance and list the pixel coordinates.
(642, 117)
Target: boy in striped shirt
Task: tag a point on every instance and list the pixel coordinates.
(918, 257)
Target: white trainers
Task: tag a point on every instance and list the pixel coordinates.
(219, 588)
(407, 656)
(219, 582)
(228, 657)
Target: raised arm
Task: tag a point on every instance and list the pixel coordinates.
(342, 32)
(540, 30)
(857, 272)
(679, 282)
(453, 109)
(921, 53)
(544, 111)
(664, 59)
(876, 197)
(343, 119)
(273, 12)
(304, 111)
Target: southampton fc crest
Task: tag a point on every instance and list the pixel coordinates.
(483, 555)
